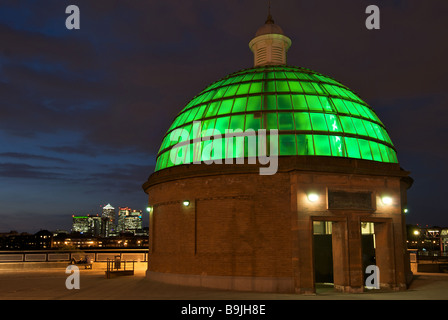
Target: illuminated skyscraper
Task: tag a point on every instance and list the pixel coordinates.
(108, 218)
(87, 224)
(129, 220)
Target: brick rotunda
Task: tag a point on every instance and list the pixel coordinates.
(331, 203)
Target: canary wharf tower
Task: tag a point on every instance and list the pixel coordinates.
(333, 207)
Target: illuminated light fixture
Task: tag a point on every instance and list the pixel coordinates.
(313, 197)
(186, 203)
(386, 200)
(416, 232)
(405, 210)
(149, 208)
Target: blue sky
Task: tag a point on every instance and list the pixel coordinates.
(82, 112)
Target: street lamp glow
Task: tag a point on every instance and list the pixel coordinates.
(386, 200)
(313, 197)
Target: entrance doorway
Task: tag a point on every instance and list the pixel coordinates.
(323, 252)
(368, 246)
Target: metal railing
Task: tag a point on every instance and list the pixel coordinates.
(98, 255)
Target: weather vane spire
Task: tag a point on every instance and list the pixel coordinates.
(269, 19)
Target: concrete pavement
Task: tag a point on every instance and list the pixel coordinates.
(49, 284)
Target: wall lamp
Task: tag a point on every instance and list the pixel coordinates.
(186, 203)
(149, 208)
(313, 197)
(387, 200)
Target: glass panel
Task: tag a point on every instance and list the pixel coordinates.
(258, 76)
(322, 145)
(318, 88)
(192, 115)
(287, 144)
(351, 108)
(302, 120)
(337, 146)
(243, 89)
(213, 109)
(232, 90)
(270, 75)
(237, 122)
(352, 147)
(254, 103)
(295, 86)
(359, 126)
(362, 110)
(347, 124)
(305, 145)
(271, 121)
(226, 106)
(256, 87)
(282, 86)
(208, 124)
(314, 103)
(270, 102)
(239, 105)
(285, 121)
(280, 75)
(340, 106)
(284, 102)
(308, 87)
(200, 112)
(290, 75)
(364, 146)
(384, 153)
(269, 86)
(330, 89)
(222, 124)
(318, 121)
(248, 77)
(303, 76)
(299, 102)
(369, 128)
(375, 151)
(333, 123)
(220, 92)
(327, 105)
(218, 149)
(252, 122)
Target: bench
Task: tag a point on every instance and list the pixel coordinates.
(87, 265)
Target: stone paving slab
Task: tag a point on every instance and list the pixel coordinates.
(49, 284)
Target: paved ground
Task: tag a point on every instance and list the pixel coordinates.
(49, 284)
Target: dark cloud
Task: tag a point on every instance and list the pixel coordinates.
(27, 156)
(26, 171)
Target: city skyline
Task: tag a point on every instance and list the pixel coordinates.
(83, 112)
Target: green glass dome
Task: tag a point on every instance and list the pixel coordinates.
(314, 115)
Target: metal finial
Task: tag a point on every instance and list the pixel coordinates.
(269, 19)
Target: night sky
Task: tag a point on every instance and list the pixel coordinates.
(82, 112)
